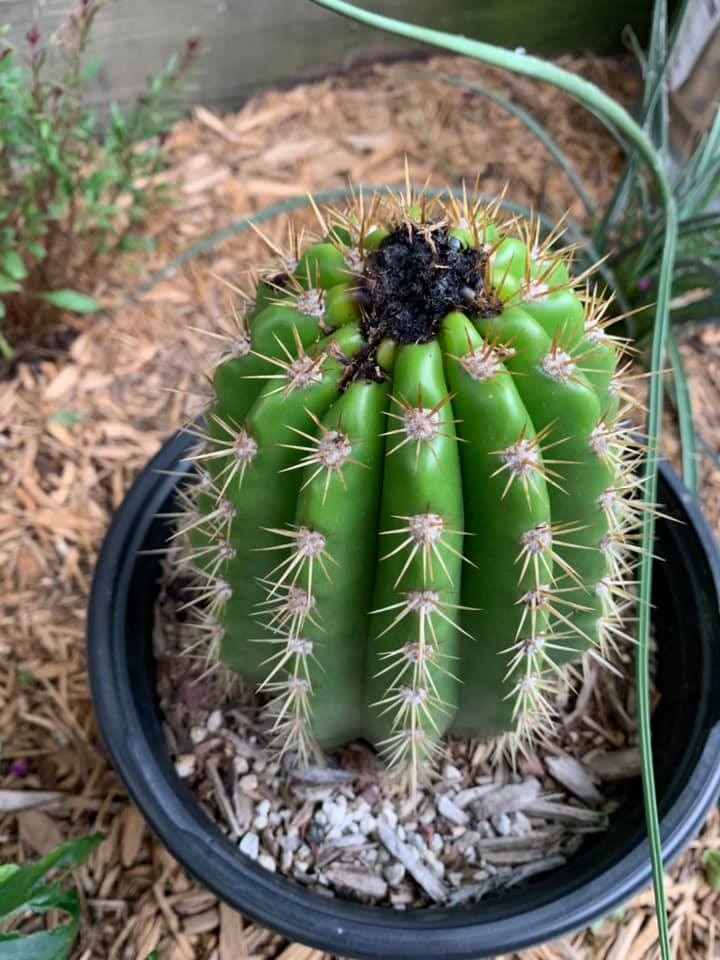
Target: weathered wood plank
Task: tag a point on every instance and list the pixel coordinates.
(257, 43)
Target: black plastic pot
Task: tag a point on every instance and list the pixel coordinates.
(605, 873)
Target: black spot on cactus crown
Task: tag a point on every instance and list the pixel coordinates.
(363, 366)
(416, 277)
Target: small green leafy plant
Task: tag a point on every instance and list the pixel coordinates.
(71, 194)
(28, 890)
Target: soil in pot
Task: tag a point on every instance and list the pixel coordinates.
(346, 829)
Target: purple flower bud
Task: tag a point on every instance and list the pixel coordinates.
(192, 48)
(20, 768)
(644, 283)
(33, 36)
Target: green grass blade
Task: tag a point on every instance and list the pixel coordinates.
(698, 182)
(654, 425)
(657, 66)
(686, 422)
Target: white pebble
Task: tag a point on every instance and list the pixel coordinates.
(286, 861)
(241, 765)
(268, 862)
(428, 815)
(389, 814)
(335, 813)
(303, 852)
(197, 734)
(455, 879)
(260, 822)
(367, 824)
(301, 867)
(275, 819)
(347, 822)
(321, 818)
(415, 840)
(436, 843)
(501, 823)
(263, 808)
(449, 772)
(215, 721)
(522, 824)
(290, 843)
(248, 783)
(468, 839)
(250, 845)
(259, 764)
(394, 873)
(185, 765)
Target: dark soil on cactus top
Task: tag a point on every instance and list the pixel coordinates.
(348, 830)
(418, 275)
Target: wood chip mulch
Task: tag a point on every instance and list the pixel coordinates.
(76, 429)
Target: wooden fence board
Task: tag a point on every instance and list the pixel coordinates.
(252, 44)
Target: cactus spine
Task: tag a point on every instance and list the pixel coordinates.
(415, 501)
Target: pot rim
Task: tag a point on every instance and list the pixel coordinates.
(335, 925)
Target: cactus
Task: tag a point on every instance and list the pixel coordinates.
(415, 503)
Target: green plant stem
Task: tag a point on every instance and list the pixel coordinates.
(686, 421)
(618, 120)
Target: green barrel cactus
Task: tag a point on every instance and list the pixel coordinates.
(416, 501)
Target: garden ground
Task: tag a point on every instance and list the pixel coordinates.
(77, 428)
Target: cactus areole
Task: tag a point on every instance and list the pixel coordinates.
(415, 500)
